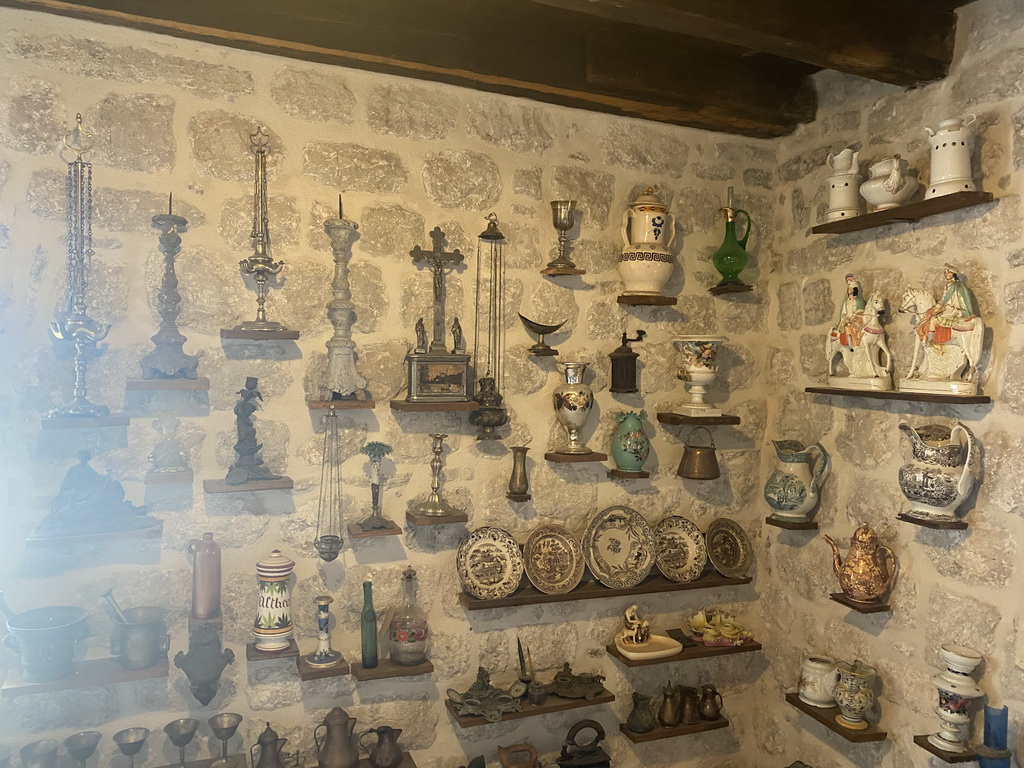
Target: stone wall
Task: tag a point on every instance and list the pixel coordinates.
(172, 116)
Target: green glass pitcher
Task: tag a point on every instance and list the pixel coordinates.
(731, 258)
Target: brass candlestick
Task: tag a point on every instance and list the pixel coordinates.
(434, 506)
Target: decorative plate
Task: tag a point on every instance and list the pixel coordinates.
(489, 563)
(619, 547)
(679, 549)
(729, 548)
(553, 559)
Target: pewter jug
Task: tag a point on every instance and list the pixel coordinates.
(385, 753)
(943, 471)
(270, 749)
(864, 577)
(689, 705)
(338, 748)
(710, 703)
(668, 712)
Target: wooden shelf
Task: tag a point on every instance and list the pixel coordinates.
(168, 478)
(457, 517)
(356, 532)
(339, 405)
(241, 333)
(661, 732)
(308, 672)
(529, 595)
(842, 599)
(681, 419)
(407, 407)
(252, 653)
(718, 290)
(154, 385)
(217, 622)
(154, 531)
(386, 668)
(554, 271)
(967, 756)
(827, 717)
(938, 525)
(914, 397)
(628, 475)
(84, 674)
(232, 761)
(909, 212)
(687, 654)
(86, 422)
(792, 525)
(575, 458)
(553, 704)
(640, 300)
(221, 486)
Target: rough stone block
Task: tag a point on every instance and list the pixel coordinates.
(757, 177)
(313, 95)
(790, 308)
(817, 300)
(235, 225)
(411, 111)
(461, 179)
(714, 171)
(594, 191)
(645, 148)
(958, 619)
(33, 116)
(221, 145)
(354, 167)
(526, 181)
(513, 126)
(137, 132)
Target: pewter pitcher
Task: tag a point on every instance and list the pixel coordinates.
(339, 748)
(385, 753)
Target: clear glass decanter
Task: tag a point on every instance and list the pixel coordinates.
(409, 631)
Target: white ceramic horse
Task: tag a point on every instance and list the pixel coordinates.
(872, 340)
(968, 334)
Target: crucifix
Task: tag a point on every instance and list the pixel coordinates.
(437, 260)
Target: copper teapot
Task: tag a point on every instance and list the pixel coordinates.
(865, 576)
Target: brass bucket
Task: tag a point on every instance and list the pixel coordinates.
(699, 461)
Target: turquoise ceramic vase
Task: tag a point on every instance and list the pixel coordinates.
(630, 446)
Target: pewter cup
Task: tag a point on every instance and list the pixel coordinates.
(143, 641)
(40, 754)
(563, 214)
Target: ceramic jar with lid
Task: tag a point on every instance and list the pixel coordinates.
(951, 158)
(648, 230)
(843, 186)
(273, 627)
(818, 678)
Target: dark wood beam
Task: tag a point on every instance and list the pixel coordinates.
(904, 42)
(501, 46)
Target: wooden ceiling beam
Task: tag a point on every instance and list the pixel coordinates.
(501, 46)
(904, 42)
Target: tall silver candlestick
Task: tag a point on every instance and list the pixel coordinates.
(343, 380)
(434, 506)
(76, 327)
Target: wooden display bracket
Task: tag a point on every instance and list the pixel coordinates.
(356, 532)
(457, 517)
(827, 717)
(967, 756)
(936, 525)
(241, 333)
(642, 300)
(252, 653)
(628, 475)
(86, 422)
(154, 531)
(165, 385)
(687, 654)
(340, 405)
(530, 595)
(555, 271)
(553, 704)
(231, 761)
(682, 419)
(865, 608)
(661, 732)
(719, 290)
(221, 486)
(906, 213)
(792, 525)
(386, 668)
(169, 478)
(575, 458)
(308, 672)
(427, 407)
(913, 397)
(84, 674)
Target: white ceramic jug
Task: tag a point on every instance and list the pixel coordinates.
(951, 158)
(648, 230)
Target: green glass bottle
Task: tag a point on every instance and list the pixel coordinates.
(731, 258)
(368, 628)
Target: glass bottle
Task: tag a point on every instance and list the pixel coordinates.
(731, 257)
(409, 631)
(368, 628)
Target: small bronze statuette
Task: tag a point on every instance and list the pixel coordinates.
(483, 699)
(581, 686)
(248, 464)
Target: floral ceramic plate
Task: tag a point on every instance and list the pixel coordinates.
(619, 547)
(679, 549)
(554, 560)
(729, 548)
(489, 563)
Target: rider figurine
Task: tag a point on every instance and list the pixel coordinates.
(851, 314)
(956, 305)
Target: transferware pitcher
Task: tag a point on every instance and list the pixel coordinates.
(864, 576)
(338, 748)
(792, 489)
(943, 470)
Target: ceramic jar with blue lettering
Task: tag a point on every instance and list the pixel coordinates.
(648, 230)
(273, 628)
(630, 445)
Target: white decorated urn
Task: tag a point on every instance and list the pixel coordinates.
(951, 157)
(648, 230)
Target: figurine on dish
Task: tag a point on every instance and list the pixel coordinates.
(949, 334)
(635, 641)
(859, 337)
(889, 185)
(715, 628)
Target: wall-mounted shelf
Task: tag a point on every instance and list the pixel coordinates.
(842, 599)
(457, 517)
(553, 704)
(682, 419)
(792, 525)
(340, 405)
(169, 478)
(575, 458)
(252, 653)
(555, 271)
(640, 300)
(914, 397)
(827, 717)
(406, 407)
(231, 761)
(938, 525)
(158, 385)
(628, 475)
(221, 486)
(309, 672)
(386, 668)
(239, 333)
(86, 422)
(529, 595)
(968, 756)
(84, 674)
(719, 290)
(687, 654)
(358, 533)
(154, 531)
(908, 213)
(661, 732)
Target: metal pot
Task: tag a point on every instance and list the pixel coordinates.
(699, 462)
(45, 639)
(143, 641)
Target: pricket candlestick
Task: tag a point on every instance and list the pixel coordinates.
(76, 327)
(343, 380)
(260, 265)
(375, 451)
(324, 655)
(168, 360)
(434, 506)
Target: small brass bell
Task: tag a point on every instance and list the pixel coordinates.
(699, 461)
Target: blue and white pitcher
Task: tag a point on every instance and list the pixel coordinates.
(792, 489)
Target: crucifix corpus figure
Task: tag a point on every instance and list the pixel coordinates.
(437, 260)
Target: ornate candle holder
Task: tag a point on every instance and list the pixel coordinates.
(168, 360)
(328, 519)
(261, 266)
(434, 506)
(343, 380)
(375, 451)
(489, 331)
(324, 656)
(76, 327)
(248, 466)
(563, 218)
(957, 690)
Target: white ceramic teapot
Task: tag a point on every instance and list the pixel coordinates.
(951, 157)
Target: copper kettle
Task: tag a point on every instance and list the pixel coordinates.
(699, 462)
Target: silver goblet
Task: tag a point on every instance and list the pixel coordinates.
(563, 217)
